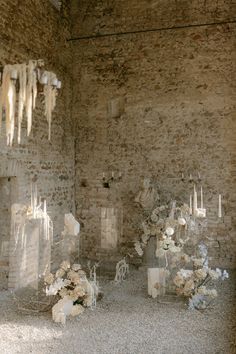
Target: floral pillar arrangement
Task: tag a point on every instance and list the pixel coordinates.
(182, 261)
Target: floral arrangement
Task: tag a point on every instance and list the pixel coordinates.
(168, 229)
(192, 284)
(75, 290)
(173, 227)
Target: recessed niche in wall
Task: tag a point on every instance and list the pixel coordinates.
(109, 228)
(116, 107)
(6, 196)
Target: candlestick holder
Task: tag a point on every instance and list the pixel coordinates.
(192, 179)
(108, 181)
(43, 78)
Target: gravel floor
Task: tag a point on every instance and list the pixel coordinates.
(126, 321)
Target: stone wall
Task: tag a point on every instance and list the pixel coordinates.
(173, 94)
(6, 190)
(32, 29)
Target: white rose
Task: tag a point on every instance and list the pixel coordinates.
(154, 217)
(202, 290)
(178, 280)
(76, 267)
(182, 221)
(63, 292)
(65, 265)
(213, 274)
(198, 262)
(60, 273)
(77, 310)
(170, 231)
(49, 278)
(200, 273)
(225, 275)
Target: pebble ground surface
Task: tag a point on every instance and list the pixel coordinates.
(126, 321)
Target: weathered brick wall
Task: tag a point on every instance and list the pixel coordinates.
(179, 112)
(5, 221)
(32, 29)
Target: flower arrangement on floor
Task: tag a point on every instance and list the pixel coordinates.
(193, 283)
(173, 227)
(75, 290)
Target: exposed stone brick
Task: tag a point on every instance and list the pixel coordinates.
(32, 29)
(178, 88)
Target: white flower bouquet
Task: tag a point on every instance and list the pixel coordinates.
(75, 290)
(192, 284)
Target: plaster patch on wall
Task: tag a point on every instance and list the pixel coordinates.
(116, 107)
(109, 228)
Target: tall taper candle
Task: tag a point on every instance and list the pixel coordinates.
(194, 200)
(35, 197)
(201, 198)
(220, 210)
(45, 207)
(190, 205)
(31, 197)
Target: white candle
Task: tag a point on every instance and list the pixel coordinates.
(220, 210)
(45, 207)
(194, 200)
(36, 196)
(201, 198)
(59, 84)
(103, 175)
(112, 174)
(190, 205)
(190, 177)
(14, 74)
(54, 82)
(182, 176)
(31, 197)
(44, 79)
